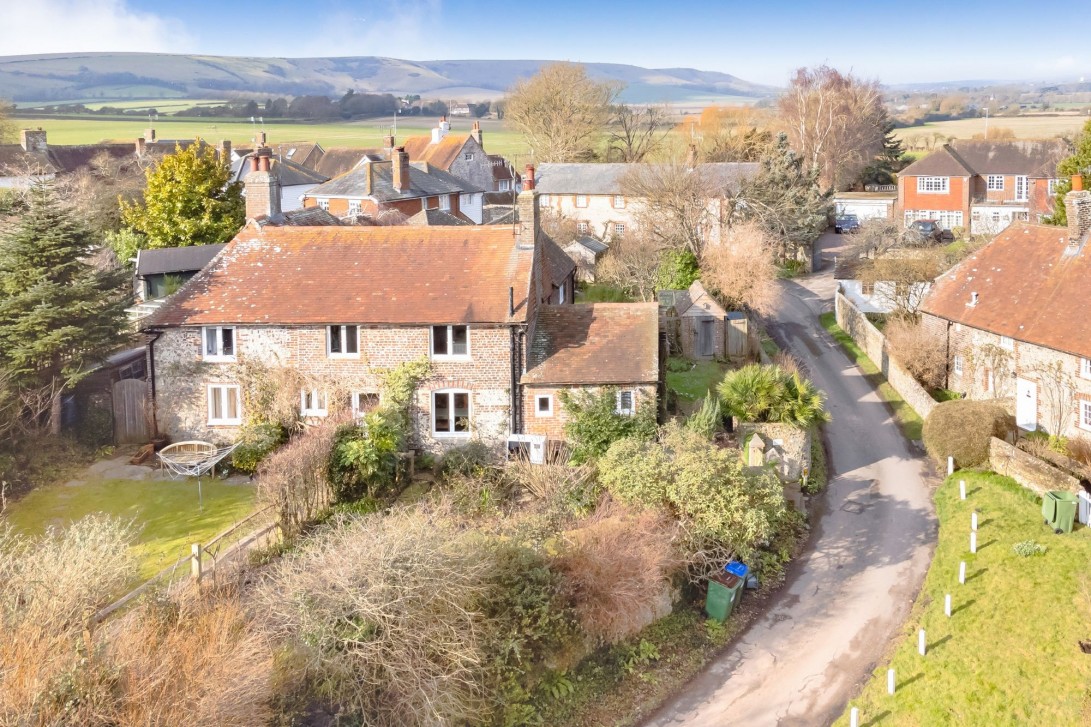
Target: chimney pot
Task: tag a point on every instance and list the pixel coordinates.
(528, 178)
(1077, 206)
(1077, 182)
(33, 140)
(225, 151)
(149, 135)
(399, 162)
(475, 132)
(262, 188)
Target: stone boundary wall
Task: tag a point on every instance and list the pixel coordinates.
(1029, 471)
(873, 342)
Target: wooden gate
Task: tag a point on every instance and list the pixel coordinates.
(130, 411)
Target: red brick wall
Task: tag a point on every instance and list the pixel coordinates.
(958, 198)
(553, 426)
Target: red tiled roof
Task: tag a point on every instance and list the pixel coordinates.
(595, 344)
(1029, 287)
(441, 155)
(381, 275)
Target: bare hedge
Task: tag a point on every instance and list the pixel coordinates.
(962, 429)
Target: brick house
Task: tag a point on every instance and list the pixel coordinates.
(338, 303)
(981, 186)
(591, 346)
(374, 187)
(1014, 322)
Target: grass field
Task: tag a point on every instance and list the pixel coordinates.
(166, 512)
(497, 139)
(1009, 655)
(1024, 127)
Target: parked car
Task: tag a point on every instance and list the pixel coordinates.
(923, 230)
(846, 223)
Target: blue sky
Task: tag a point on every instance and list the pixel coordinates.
(758, 41)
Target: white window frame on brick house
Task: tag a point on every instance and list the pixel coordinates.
(995, 183)
(364, 402)
(1007, 343)
(1051, 186)
(446, 335)
(581, 200)
(547, 410)
(1085, 368)
(933, 185)
(1022, 188)
(313, 403)
(219, 344)
(544, 200)
(619, 228)
(222, 397)
(355, 207)
(452, 419)
(348, 340)
(445, 202)
(619, 201)
(625, 402)
(582, 228)
(956, 364)
(324, 204)
(468, 156)
(1085, 415)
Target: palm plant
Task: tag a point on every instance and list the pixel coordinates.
(757, 393)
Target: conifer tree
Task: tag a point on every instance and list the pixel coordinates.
(58, 313)
(1078, 163)
(189, 200)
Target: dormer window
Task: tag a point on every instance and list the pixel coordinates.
(343, 341)
(450, 342)
(218, 343)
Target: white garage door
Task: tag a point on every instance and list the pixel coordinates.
(863, 210)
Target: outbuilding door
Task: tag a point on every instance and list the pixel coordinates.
(1026, 405)
(706, 337)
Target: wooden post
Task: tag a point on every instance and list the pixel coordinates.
(920, 642)
(195, 564)
(962, 573)
(890, 681)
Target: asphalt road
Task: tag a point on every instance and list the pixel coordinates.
(872, 538)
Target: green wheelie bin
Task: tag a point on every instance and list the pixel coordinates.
(1059, 510)
(724, 591)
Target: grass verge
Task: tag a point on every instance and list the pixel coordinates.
(907, 418)
(166, 512)
(1009, 655)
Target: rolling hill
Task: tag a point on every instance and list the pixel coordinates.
(117, 76)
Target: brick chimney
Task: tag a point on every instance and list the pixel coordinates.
(388, 144)
(1077, 206)
(141, 146)
(530, 216)
(149, 135)
(475, 132)
(225, 151)
(33, 140)
(262, 186)
(399, 164)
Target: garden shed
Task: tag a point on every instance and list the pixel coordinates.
(699, 327)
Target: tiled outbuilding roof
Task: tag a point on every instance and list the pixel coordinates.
(595, 344)
(1029, 287)
(367, 275)
(424, 181)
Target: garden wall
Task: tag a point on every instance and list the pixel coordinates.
(873, 342)
(1029, 471)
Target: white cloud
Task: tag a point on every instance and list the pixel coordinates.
(65, 26)
(407, 29)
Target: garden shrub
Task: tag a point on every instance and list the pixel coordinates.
(707, 420)
(96, 423)
(465, 460)
(677, 270)
(480, 492)
(677, 365)
(295, 478)
(962, 429)
(758, 393)
(256, 442)
(594, 423)
(364, 460)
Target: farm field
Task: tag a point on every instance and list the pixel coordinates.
(1024, 127)
(498, 140)
(1010, 652)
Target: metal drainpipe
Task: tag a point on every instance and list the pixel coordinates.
(947, 358)
(151, 375)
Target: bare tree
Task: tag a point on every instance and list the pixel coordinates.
(637, 132)
(632, 263)
(835, 122)
(742, 269)
(561, 112)
(901, 277)
(1059, 394)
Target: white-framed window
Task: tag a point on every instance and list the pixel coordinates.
(1085, 415)
(1021, 189)
(218, 343)
(324, 204)
(313, 403)
(354, 207)
(562, 293)
(1052, 186)
(505, 185)
(343, 341)
(619, 201)
(451, 413)
(543, 405)
(445, 202)
(363, 402)
(468, 156)
(933, 185)
(544, 200)
(224, 404)
(995, 182)
(626, 400)
(582, 228)
(957, 366)
(619, 228)
(450, 342)
(1007, 343)
(1085, 368)
(581, 200)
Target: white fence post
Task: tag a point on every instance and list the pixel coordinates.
(973, 520)
(951, 466)
(947, 605)
(962, 489)
(973, 542)
(962, 573)
(920, 642)
(195, 564)
(854, 717)
(890, 681)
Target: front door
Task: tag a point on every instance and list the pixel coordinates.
(1026, 405)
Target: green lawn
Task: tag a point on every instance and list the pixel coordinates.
(601, 293)
(1009, 654)
(166, 512)
(695, 383)
(92, 129)
(907, 418)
